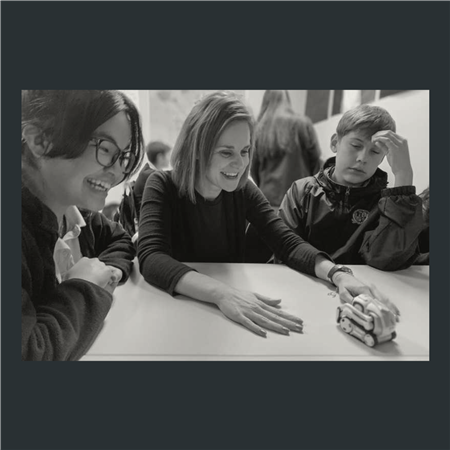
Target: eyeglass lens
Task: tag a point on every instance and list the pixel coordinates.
(108, 153)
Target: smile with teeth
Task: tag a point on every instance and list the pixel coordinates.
(99, 185)
(230, 175)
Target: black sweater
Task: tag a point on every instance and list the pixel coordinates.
(61, 321)
(173, 229)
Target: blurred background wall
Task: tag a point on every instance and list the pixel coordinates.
(163, 113)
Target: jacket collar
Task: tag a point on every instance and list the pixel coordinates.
(376, 183)
(37, 212)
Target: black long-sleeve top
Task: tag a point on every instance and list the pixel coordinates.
(172, 229)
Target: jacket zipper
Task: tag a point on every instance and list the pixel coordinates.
(347, 193)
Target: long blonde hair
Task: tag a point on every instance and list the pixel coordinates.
(276, 131)
(202, 128)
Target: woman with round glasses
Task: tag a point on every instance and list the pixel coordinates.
(76, 145)
(198, 213)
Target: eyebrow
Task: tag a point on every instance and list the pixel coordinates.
(231, 147)
(103, 134)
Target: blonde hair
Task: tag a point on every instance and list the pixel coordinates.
(365, 117)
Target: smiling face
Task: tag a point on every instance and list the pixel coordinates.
(230, 158)
(83, 181)
(357, 158)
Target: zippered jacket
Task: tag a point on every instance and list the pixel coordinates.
(372, 225)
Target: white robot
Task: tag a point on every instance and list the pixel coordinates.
(367, 319)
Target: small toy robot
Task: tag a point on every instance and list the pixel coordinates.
(367, 319)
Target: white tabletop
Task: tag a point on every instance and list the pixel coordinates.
(145, 323)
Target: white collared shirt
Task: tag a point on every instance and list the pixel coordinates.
(67, 249)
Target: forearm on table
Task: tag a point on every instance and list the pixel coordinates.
(201, 287)
(323, 267)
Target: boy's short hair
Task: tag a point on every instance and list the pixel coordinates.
(365, 117)
(155, 148)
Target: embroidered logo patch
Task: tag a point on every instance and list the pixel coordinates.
(359, 216)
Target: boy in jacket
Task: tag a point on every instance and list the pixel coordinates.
(347, 210)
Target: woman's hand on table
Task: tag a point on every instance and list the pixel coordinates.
(257, 312)
(350, 287)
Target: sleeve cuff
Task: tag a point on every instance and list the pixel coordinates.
(400, 190)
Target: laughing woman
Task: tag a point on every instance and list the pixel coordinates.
(76, 145)
(198, 213)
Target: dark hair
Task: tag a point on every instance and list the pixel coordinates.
(202, 128)
(68, 119)
(154, 149)
(365, 117)
(278, 129)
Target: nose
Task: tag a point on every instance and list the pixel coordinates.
(361, 157)
(117, 171)
(238, 162)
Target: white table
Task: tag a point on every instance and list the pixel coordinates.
(145, 323)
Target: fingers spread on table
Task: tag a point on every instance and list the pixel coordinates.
(283, 314)
(268, 300)
(251, 326)
(290, 324)
(268, 324)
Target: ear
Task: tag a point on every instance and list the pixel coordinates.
(36, 140)
(334, 142)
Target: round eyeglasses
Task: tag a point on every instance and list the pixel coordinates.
(107, 153)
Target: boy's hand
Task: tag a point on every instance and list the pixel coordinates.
(396, 149)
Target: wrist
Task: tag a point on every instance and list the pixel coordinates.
(219, 293)
(339, 276)
(403, 178)
(333, 275)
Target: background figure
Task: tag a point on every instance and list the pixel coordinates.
(286, 147)
(158, 154)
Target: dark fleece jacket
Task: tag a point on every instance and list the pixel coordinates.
(60, 321)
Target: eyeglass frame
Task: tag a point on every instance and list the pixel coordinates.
(119, 155)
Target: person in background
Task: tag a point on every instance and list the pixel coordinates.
(197, 212)
(76, 145)
(158, 153)
(128, 212)
(286, 147)
(347, 209)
